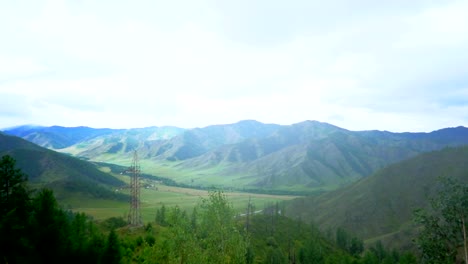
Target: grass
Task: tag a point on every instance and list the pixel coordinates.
(212, 176)
(155, 196)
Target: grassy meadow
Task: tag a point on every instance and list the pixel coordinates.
(154, 195)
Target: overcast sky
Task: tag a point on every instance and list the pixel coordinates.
(390, 65)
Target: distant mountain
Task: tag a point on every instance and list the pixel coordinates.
(316, 155)
(56, 137)
(195, 142)
(307, 156)
(381, 206)
(62, 173)
(86, 141)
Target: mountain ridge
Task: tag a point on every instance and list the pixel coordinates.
(250, 154)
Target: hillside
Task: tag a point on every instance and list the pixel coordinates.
(305, 157)
(62, 173)
(381, 206)
(310, 156)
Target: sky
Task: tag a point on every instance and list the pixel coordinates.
(362, 64)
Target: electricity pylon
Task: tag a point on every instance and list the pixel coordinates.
(134, 217)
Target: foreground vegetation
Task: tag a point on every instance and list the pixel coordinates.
(34, 228)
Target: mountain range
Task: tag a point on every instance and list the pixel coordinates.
(307, 156)
(367, 182)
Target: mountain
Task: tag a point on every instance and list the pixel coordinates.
(304, 157)
(381, 206)
(195, 142)
(91, 142)
(121, 143)
(314, 155)
(56, 137)
(62, 173)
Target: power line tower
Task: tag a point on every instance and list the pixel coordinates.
(134, 218)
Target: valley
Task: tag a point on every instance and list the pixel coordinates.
(234, 132)
(304, 158)
(155, 197)
(365, 183)
(155, 194)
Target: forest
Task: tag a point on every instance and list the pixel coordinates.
(35, 229)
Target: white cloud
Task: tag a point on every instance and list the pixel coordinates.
(19, 67)
(194, 64)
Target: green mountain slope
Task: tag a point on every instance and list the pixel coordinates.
(308, 156)
(62, 173)
(381, 206)
(316, 155)
(199, 141)
(175, 146)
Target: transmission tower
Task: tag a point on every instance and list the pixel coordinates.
(134, 218)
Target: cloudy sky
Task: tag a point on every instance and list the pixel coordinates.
(389, 65)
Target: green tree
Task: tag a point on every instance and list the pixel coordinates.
(357, 247)
(370, 258)
(79, 236)
(408, 258)
(112, 253)
(219, 233)
(161, 216)
(379, 250)
(97, 244)
(274, 256)
(444, 227)
(312, 252)
(86, 242)
(50, 228)
(184, 245)
(14, 212)
(342, 238)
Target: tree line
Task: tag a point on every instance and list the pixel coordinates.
(34, 228)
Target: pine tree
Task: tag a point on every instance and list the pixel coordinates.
(112, 252)
(14, 212)
(50, 228)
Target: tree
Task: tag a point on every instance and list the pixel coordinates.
(183, 244)
(161, 216)
(14, 212)
(379, 250)
(219, 233)
(78, 236)
(444, 227)
(112, 252)
(12, 184)
(357, 247)
(342, 238)
(50, 228)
